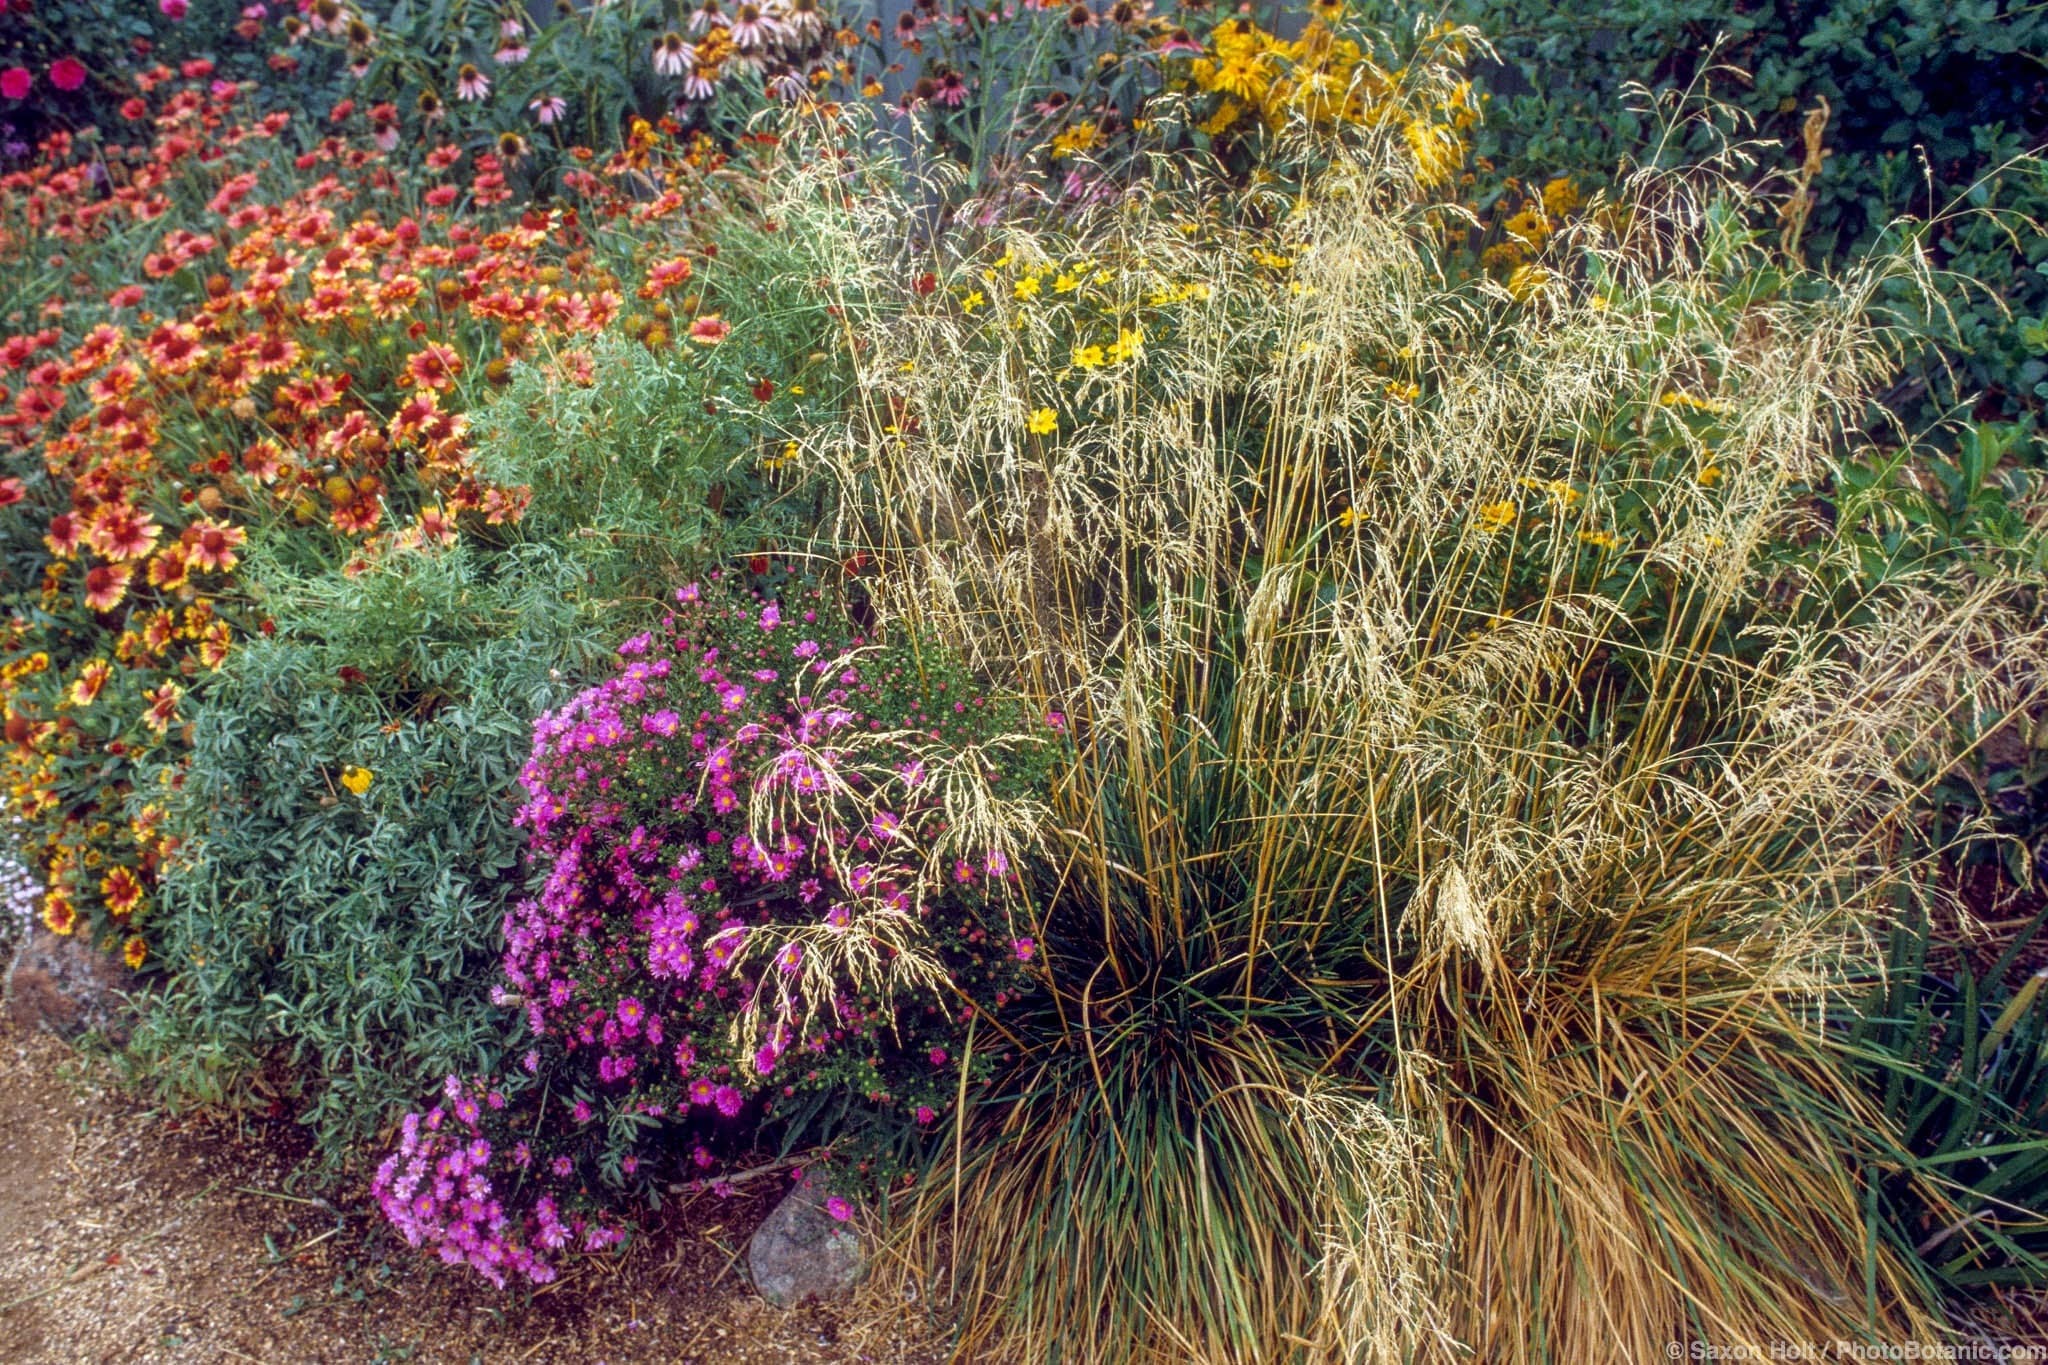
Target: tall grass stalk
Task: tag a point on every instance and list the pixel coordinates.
(1471, 812)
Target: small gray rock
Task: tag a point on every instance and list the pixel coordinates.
(69, 986)
(802, 1252)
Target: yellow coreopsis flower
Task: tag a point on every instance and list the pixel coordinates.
(1084, 136)
(357, 779)
(1044, 422)
(1496, 516)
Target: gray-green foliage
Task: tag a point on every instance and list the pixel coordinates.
(339, 948)
(344, 944)
(656, 455)
(620, 456)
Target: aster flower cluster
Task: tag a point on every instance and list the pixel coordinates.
(755, 883)
(436, 1189)
(745, 839)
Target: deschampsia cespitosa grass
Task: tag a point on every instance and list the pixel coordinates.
(1478, 782)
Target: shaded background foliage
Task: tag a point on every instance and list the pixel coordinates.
(1929, 104)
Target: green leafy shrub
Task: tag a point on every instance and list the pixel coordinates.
(333, 945)
(1929, 105)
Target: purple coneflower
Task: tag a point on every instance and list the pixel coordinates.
(673, 56)
(752, 29)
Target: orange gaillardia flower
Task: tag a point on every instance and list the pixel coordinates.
(163, 706)
(213, 645)
(90, 680)
(432, 367)
(159, 631)
(106, 585)
(120, 531)
(135, 952)
(170, 569)
(213, 545)
(122, 890)
(59, 916)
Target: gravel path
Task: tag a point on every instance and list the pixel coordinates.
(129, 1235)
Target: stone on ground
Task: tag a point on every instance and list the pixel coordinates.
(802, 1252)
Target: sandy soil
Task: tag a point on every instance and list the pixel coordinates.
(130, 1235)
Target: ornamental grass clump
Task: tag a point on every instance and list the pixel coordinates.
(1483, 781)
(775, 891)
